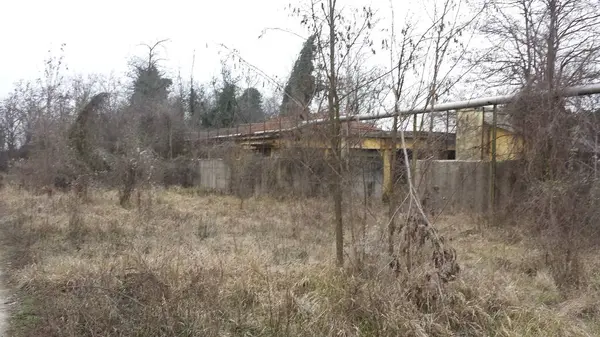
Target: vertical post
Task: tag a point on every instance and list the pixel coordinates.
(345, 151)
(390, 194)
(484, 153)
(387, 173)
(414, 150)
(596, 156)
(446, 135)
(493, 164)
(170, 142)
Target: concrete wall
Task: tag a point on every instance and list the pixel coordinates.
(369, 181)
(214, 175)
(272, 176)
(451, 186)
(456, 186)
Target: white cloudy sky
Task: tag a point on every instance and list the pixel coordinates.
(102, 36)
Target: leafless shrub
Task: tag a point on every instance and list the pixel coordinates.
(76, 230)
(550, 45)
(206, 228)
(247, 171)
(560, 184)
(181, 171)
(302, 171)
(80, 188)
(129, 178)
(3, 160)
(50, 161)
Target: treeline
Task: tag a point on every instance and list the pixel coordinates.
(160, 107)
(68, 127)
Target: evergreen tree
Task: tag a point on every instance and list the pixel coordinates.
(149, 85)
(159, 118)
(150, 101)
(301, 84)
(198, 104)
(224, 111)
(250, 106)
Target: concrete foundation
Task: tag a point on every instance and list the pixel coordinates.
(451, 186)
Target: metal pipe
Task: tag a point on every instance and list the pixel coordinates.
(580, 90)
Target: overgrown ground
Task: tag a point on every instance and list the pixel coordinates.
(188, 264)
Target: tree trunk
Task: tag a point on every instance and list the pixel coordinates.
(392, 193)
(334, 116)
(552, 46)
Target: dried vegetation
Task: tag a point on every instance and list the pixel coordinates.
(184, 263)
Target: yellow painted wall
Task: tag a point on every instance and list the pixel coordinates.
(474, 139)
(508, 145)
(469, 132)
(387, 172)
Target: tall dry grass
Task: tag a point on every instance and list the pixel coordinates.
(183, 263)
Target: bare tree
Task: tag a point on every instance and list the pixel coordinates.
(12, 122)
(336, 38)
(423, 56)
(271, 104)
(539, 47)
(548, 43)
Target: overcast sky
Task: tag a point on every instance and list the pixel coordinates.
(101, 37)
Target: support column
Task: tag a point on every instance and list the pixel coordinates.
(387, 173)
(493, 166)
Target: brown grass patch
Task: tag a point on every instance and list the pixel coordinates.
(188, 264)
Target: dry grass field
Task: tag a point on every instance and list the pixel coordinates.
(182, 263)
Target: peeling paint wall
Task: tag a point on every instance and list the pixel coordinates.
(508, 145)
(469, 135)
(474, 138)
